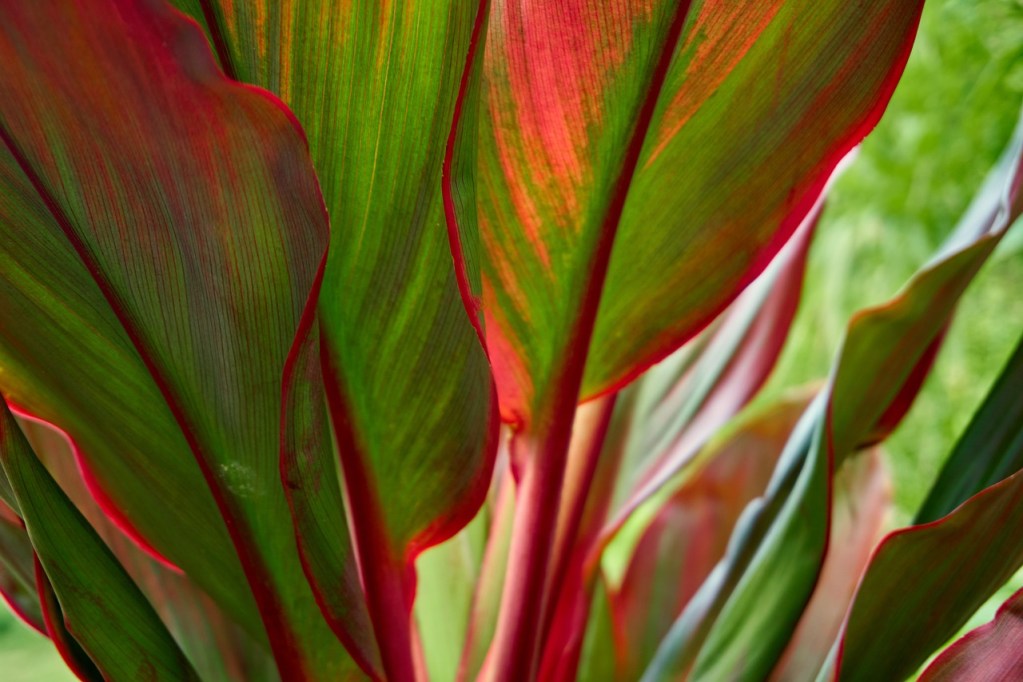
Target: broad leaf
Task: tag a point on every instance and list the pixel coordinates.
(632, 182)
(991, 652)
(653, 170)
(172, 219)
(377, 86)
(101, 605)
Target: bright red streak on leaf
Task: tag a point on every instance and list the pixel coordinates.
(116, 516)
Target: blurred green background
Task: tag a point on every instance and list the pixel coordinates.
(949, 120)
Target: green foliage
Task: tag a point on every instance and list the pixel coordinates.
(529, 206)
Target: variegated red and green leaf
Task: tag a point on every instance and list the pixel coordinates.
(941, 571)
(17, 558)
(688, 398)
(776, 552)
(377, 87)
(660, 424)
(861, 501)
(719, 121)
(991, 652)
(191, 617)
(162, 225)
(101, 606)
(689, 534)
(632, 181)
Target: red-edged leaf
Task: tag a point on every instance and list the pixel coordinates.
(218, 647)
(690, 533)
(663, 421)
(991, 652)
(101, 607)
(776, 553)
(685, 401)
(861, 501)
(17, 569)
(640, 165)
(181, 212)
(70, 651)
(967, 554)
(387, 93)
(721, 122)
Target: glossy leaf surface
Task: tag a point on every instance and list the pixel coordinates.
(174, 217)
(101, 605)
(719, 122)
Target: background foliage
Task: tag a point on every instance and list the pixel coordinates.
(947, 123)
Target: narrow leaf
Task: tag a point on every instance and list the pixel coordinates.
(989, 450)
(860, 503)
(104, 610)
(765, 583)
(690, 532)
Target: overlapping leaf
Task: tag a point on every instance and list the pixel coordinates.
(162, 225)
(376, 87)
(776, 552)
(100, 604)
(689, 534)
(968, 554)
(218, 648)
(663, 421)
(860, 503)
(632, 181)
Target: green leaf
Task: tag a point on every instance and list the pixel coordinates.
(990, 652)
(162, 225)
(633, 180)
(192, 618)
(377, 86)
(968, 554)
(747, 109)
(689, 534)
(684, 401)
(989, 450)
(486, 598)
(103, 608)
(861, 500)
(777, 550)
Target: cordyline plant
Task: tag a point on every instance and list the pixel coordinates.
(273, 273)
